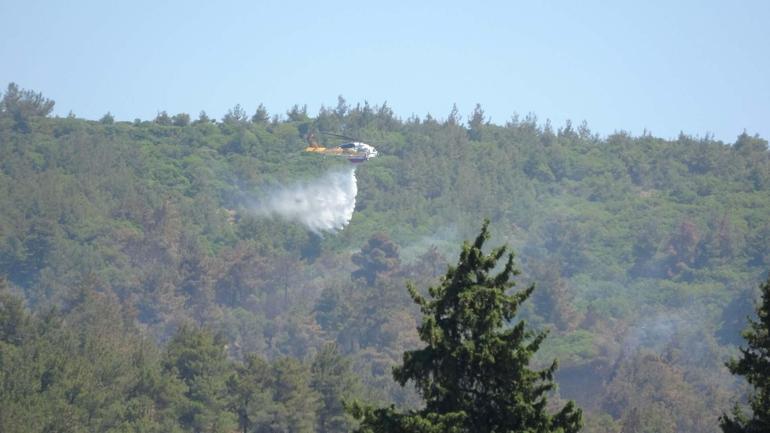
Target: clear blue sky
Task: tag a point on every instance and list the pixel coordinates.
(668, 66)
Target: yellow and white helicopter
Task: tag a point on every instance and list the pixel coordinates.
(355, 151)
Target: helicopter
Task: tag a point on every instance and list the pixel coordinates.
(354, 150)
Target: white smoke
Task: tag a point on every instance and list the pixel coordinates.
(323, 205)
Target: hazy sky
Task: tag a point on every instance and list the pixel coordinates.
(668, 66)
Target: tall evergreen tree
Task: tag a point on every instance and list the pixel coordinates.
(163, 118)
(261, 116)
(13, 319)
(333, 380)
(198, 359)
(297, 401)
(251, 395)
(377, 257)
(22, 105)
(475, 123)
(754, 365)
(474, 371)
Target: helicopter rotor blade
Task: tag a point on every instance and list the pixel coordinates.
(340, 136)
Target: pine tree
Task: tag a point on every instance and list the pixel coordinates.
(475, 123)
(377, 257)
(13, 319)
(261, 116)
(251, 395)
(197, 358)
(298, 402)
(474, 371)
(23, 105)
(181, 119)
(754, 365)
(334, 382)
(235, 116)
(162, 118)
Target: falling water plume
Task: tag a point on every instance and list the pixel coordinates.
(325, 204)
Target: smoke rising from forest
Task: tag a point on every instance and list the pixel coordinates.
(325, 204)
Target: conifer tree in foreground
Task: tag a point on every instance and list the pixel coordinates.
(754, 365)
(473, 373)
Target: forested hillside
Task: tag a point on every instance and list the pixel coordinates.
(141, 287)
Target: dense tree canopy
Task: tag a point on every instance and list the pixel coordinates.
(642, 248)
